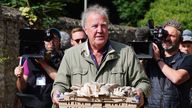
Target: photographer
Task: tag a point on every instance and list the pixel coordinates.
(170, 76)
(35, 77)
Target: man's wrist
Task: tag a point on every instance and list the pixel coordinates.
(159, 59)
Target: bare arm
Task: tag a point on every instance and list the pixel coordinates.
(50, 70)
(21, 78)
(21, 83)
(175, 76)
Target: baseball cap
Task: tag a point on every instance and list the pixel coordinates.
(187, 35)
(51, 33)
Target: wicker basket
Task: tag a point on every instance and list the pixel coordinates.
(99, 102)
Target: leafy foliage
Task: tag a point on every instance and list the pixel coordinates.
(163, 10)
(28, 13)
(13, 3)
(46, 11)
(130, 11)
(3, 59)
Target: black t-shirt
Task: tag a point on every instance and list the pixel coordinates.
(186, 63)
(164, 92)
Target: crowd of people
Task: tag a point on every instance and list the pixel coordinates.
(162, 82)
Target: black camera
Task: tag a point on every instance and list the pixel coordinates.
(157, 34)
(31, 43)
(142, 49)
(144, 39)
(141, 45)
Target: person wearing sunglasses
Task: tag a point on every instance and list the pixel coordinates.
(77, 36)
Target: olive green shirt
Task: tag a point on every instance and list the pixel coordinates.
(120, 66)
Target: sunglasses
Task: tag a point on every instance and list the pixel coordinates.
(78, 40)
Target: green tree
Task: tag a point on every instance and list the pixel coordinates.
(130, 11)
(163, 10)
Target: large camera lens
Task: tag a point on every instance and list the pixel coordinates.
(160, 34)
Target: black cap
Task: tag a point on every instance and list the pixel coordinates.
(52, 32)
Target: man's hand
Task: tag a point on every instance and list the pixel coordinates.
(18, 71)
(139, 93)
(55, 98)
(156, 52)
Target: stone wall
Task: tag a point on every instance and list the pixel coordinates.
(122, 34)
(10, 24)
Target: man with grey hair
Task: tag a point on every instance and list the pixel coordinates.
(170, 76)
(100, 60)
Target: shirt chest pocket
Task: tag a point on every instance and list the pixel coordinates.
(117, 75)
(79, 76)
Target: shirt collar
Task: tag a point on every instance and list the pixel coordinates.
(86, 50)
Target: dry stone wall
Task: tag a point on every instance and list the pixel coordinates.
(122, 34)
